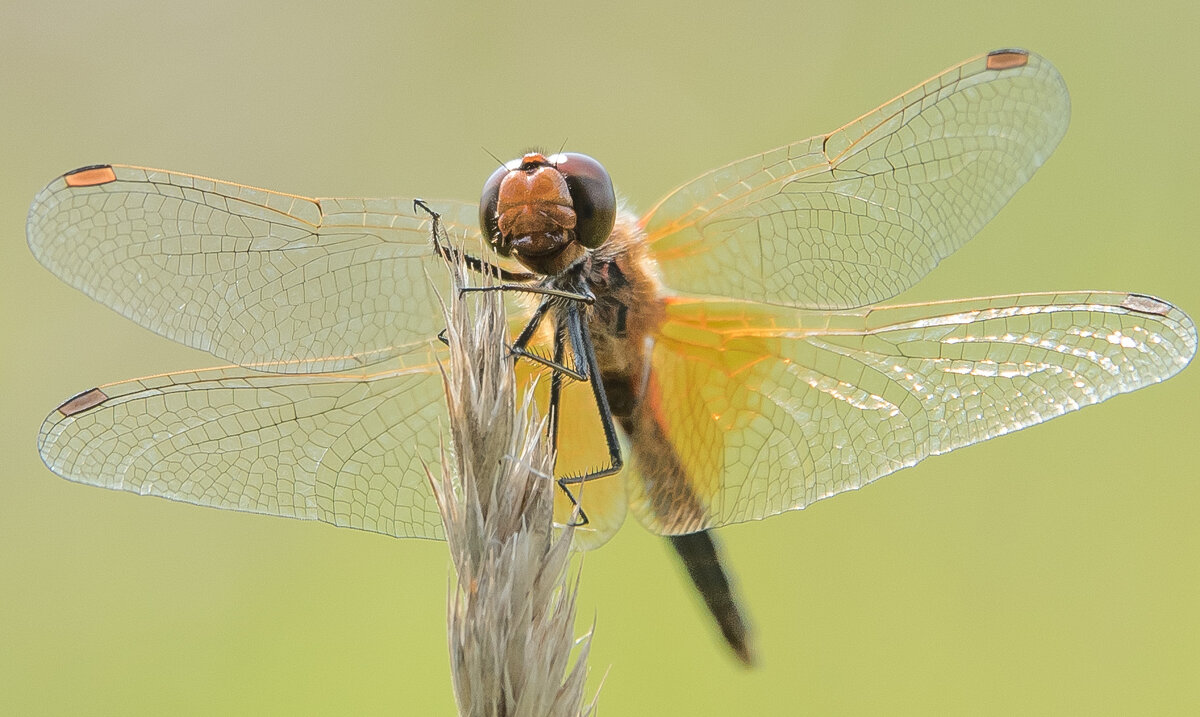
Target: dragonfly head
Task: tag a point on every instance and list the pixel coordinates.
(546, 212)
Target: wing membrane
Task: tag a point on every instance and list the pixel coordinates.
(346, 449)
(247, 274)
(769, 410)
(856, 216)
(349, 450)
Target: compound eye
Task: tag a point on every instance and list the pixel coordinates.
(592, 194)
(488, 218)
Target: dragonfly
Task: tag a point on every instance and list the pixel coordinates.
(722, 358)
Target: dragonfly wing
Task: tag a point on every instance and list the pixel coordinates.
(858, 215)
(769, 409)
(250, 275)
(350, 450)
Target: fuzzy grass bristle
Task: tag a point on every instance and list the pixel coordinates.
(511, 612)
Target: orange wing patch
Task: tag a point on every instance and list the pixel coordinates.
(768, 409)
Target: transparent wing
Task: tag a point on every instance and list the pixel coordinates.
(350, 450)
(856, 216)
(769, 409)
(247, 274)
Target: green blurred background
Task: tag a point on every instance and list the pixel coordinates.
(1054, 571)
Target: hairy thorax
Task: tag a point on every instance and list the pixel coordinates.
(628, 308)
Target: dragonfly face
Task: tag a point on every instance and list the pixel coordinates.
(547, 211)
(735, 333)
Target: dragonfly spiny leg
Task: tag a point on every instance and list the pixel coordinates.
(574, 329)
(542, 290)
(473, 263)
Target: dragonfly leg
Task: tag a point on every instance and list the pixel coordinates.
(577, 333)
(579, 373)
(473, 263)
(542, 290)
(519, 350)
(560, 342)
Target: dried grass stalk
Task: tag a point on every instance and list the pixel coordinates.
(511, 613)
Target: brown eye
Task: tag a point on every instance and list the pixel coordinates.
(488, 219)
(591, 192)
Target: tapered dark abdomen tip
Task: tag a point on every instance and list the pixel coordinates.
(698, 551)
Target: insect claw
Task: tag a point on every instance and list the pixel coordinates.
(420, 204)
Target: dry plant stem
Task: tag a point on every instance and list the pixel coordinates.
(511, 613)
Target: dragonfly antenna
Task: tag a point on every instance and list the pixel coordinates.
(493, 156)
